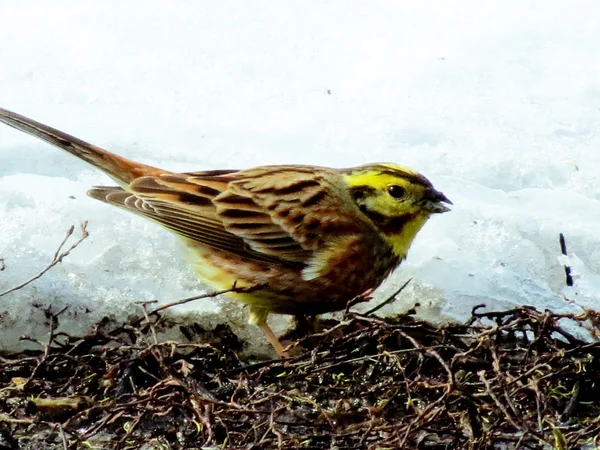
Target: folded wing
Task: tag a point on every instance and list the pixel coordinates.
(282, 214)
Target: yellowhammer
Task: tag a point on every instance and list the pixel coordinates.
(308, 239)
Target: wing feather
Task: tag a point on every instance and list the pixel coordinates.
(181, 222)
(283, 214)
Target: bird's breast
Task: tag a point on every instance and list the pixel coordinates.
(283, 289)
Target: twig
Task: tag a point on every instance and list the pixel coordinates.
(63, 437)
(6, 418)
(42, 361)
(130, 428)
(497, 401)
(233, 289)
(58, 256)
(389, 299)
(563, 249)
(431, 352)
(148, 321)
(364, 297)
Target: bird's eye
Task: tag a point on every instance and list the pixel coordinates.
(396, 191)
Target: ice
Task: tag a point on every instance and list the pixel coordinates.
(498, 104)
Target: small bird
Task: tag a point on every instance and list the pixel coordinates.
(292, 239)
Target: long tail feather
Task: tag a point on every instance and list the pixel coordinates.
(122, 170)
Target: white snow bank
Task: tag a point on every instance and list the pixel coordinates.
(498, 105)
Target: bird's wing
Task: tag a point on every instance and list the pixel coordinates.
(282, 214)
(291, 212)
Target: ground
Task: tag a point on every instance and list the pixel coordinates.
(511, 379)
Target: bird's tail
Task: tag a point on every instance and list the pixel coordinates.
(122, 170)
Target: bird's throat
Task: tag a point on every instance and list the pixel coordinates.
(400, 230)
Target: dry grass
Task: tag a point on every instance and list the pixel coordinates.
(512, 379)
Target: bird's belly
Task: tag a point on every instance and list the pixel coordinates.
(281, 289)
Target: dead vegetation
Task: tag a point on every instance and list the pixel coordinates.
(512, 379)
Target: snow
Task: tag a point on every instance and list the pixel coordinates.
(497, 103)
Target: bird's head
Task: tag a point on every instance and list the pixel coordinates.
(397, 200)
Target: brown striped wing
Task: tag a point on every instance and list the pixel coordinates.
(305, 205)
(279, 213)
(173, 216)
(183, 208)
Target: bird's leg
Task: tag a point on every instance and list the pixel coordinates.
(258, 317)
(273, 340)
(306, 324)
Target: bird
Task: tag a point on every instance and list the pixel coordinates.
(300, 240)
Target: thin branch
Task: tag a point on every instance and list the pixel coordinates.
(58, 256)
(208, 295)
(43, 359)
(563, 249)
(389, 299)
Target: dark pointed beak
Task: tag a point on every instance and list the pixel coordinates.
(434, 202)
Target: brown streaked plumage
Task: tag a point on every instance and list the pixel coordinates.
(311, 238)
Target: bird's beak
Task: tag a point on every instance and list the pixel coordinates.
(434, 202)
